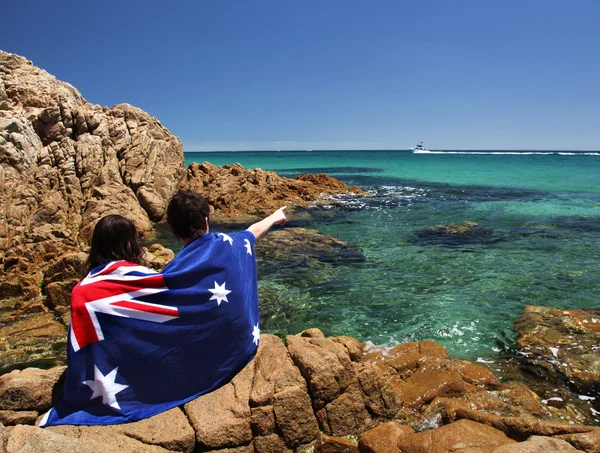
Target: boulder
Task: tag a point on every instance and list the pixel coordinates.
(270, 444)
(169, 430)
(158, 256)
(222, 419)
(28, 390)
(280, 402)
(518, 428)
(78, 155)
(589, 441)
(462, 436)
(384, 438)
(10, 418)
(30, 439)
(565, 342)
(332, 382)
(401, 381)
(30, 335)
(296, 246)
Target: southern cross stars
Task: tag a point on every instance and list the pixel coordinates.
(226, 238)
(219, 293)
(248, 246)
(106, 387)
(256, 334)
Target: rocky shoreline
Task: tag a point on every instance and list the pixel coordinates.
(312, 393)
(64, 163)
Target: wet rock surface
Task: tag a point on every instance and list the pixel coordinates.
(320, 394)
(565, 343)
(455, 235)
(297, 246)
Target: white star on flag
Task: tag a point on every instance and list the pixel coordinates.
(248, 246)
(106, 387)
(226, 238)
(256, 334)
(219, 293)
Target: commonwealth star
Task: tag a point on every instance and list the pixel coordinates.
(219, 293)
(106, 387)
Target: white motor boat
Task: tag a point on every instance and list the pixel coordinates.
(419, 148)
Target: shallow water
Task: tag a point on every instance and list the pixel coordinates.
(541, 218)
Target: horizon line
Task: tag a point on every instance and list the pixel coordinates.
(401, 150)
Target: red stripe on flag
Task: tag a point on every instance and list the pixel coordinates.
(111, 286)
(106, 288)
(148, 308)
(81, 323)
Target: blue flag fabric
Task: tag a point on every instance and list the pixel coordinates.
(142, 342)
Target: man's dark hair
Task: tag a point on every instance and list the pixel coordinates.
(114, 239)
(187, 214)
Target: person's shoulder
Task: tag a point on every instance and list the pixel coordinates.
(246, 234)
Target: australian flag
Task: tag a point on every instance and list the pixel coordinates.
(142, 342)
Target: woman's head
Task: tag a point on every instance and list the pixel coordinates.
(114, 239)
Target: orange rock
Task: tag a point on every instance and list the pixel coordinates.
(463, 435)
(589, 442)
(384, 438)
(236, 192)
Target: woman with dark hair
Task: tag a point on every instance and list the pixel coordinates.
(114, 239)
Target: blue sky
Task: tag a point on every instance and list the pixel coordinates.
(331, 74)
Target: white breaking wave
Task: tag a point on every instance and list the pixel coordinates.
(513, 153)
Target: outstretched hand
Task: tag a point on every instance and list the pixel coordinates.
(279, 217)
(260, 228)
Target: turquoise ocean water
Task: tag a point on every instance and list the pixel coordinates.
(540, 212)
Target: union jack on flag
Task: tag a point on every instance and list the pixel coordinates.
(142, 342)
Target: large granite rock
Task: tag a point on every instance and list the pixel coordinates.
(463, 435)
(64, 163)
(29, 389)
(29, 439)
(238, 193)
(280, 403)
(168, 431)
